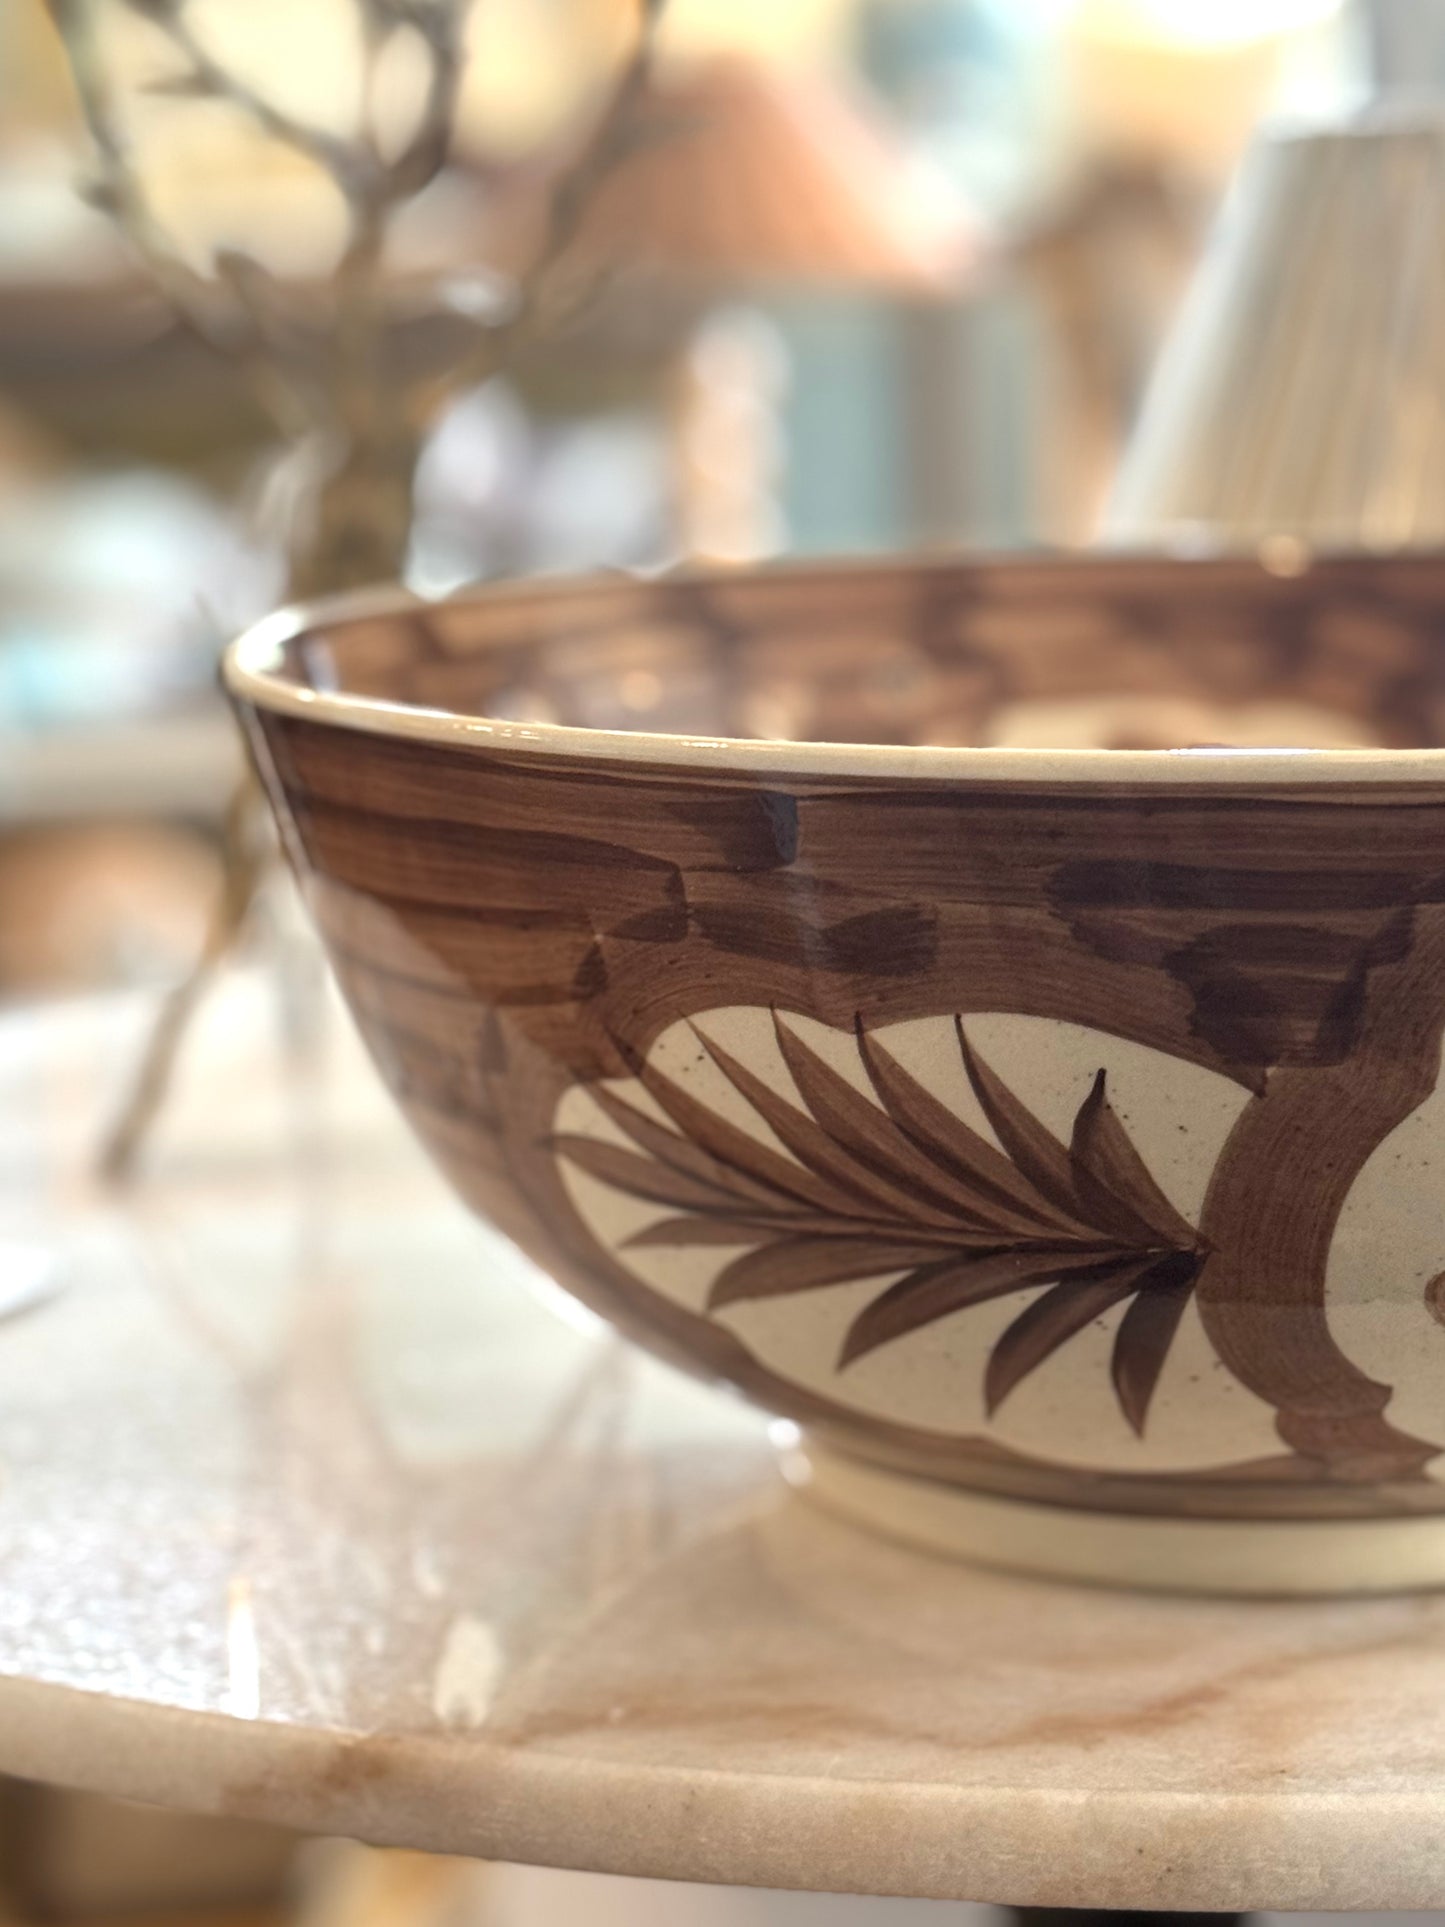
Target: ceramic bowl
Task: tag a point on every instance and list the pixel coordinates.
(990, 1013)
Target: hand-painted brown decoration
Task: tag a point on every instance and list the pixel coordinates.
(522, 912)
(905, 1186)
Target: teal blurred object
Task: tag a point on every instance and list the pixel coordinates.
(845, 483)
(910, 424)
(116, 591)
(973, 83)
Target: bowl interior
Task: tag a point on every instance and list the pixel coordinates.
(1112, 652)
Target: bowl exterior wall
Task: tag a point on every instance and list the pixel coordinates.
(1060, 1142)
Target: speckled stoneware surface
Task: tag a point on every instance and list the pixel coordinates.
(1051, 1131)
(309, 1509)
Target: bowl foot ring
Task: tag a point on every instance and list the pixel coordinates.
(1265, 1558)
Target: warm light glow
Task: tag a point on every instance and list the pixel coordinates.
(1186, 83)
(243, 1660)
(1220, 23)
(802, 30)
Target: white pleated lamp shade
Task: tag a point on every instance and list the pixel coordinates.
(1303, 391)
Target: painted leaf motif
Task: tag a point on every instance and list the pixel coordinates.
(748, 1225)
(897, 1187)
(678, 1153)
(639, 1177)
(994, 1188)
(938, 1290)
(813, 1147)
(681, 1234)
(803, 1264)
(861, 1129)
(1146, 1332)
(1103, 1148)
(1051, 1320)
(737, 1149)
(1034, 1149)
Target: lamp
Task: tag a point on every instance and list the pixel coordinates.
(1301, 392)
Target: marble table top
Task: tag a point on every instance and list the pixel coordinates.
(313, 1509)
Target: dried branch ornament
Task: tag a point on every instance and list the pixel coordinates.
(325, 380)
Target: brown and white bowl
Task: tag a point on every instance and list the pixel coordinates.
(1052, 1133)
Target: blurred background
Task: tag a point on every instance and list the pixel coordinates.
(873, 273)
(855, 275)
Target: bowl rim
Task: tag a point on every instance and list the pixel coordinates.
(251, 675)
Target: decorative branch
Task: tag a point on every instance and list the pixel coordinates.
(246, 854)
(116, 189)
(364, 424)
(611, 140)
(207, 78)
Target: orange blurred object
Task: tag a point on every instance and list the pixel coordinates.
(741, 175)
